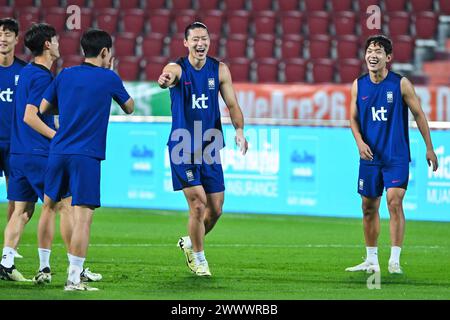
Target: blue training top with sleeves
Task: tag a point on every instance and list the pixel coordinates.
(83, 95)
(9, 78)
(383, 119)
(195, 101)
(34, 80)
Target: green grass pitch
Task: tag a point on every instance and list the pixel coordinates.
(251, 257)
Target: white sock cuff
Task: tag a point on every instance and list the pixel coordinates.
(77, 261)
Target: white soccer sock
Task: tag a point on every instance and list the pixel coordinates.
(187, 242)
(372, 255)
(395, 254)
(75, 268)
(44, 258)
(8, 257)
(199, 257)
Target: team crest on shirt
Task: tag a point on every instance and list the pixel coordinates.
(390, 97)
(211, 84)
(16, 79)
(189, 175)
(361, 184)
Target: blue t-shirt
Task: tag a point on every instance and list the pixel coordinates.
(383, 119)
(83, 95)
(9, 78)
(34, 80)
(195, 99)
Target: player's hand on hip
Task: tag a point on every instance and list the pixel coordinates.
(241, 141)
(165, 78)
(364, 151)
(432, 159)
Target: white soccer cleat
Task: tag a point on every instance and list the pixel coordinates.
(43, 276)
(17, 255)
(11, 274)
(365, 266)
(394, 268)
(89, 276)
(202, 270)
(188, 253)
(81, 286)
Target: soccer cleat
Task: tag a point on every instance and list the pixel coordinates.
(202, 270)
(43, 276)
(11, 274)
(394, 268)
(81, 286)
(365, 266)
(188, 253)
(17, 255)
(88, 276)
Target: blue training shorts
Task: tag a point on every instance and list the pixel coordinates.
(4, 160)
(26, 177)
(373, 178)
(78, 175)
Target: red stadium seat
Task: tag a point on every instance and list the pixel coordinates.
(291, 22)
(426, 25)
(234, 4)
(213, 50)
(6, 12)
(124, 44)
(183, 18)
(50, 3)
(3, 3)
(341, 5)
(236, 46)
(102, 4)
(69, 43)
(264, 45)
(239, 69)
(292, 46)
(238, 21)
(319, 46)
(152, 44)
(80, 3)
(444, 7)
(323, 70)
(69, 61)
(182, 5)
(364, 4)
(154, 67)
(23, 3)
(295, 70)
(176, 46)
(264, 22)
(421, 5)
(315, 5)
(398, 23)
(261, 5)
(55, 17)
(208, 5)
(86, 18)
(403, 49)
(129, 68)
(107, 19)
(129, 4)
(159, 21)
(20, 47)
(154, 5)
(344, 22)
(349, 70)
(347, 46)
(213, 19)
(288, 5)
(267, 70)
(133, 21)
(318, 22)
(397, 5)
(26, 17)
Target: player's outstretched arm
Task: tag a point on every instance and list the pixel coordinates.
(411, 99)
(170, 75)
(364, 150)
(228, 95)
(32, 119)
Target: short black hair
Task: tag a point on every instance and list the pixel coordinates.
(10, 24)
(93, 41)
(37, 35)
(194, 25)
(380, 40)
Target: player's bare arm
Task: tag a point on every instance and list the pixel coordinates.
(128, 106)
(32, 119)
(228, 95)
(170, 76)
(364, 150)
(411, 99)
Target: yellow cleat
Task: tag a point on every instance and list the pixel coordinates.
(12, 274)
(202, 270)
(188, 253)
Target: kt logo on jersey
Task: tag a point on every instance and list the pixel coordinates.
(6, 95)
(379, 114)
(200, 102)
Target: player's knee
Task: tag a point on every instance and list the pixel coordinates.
(216, 212)
(198, 207)
(369, 210)
(395, 205)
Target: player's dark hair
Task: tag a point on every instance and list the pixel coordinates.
(37, 35)
(192, 26)
(10, 24)
(380, 40)
(93, 41)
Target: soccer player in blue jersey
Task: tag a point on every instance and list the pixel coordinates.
(195, 82)
(82, 96)
(379, 122)
(10, 67)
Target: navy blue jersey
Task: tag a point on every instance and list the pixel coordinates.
(34, 80)
(383, 119)
(83, 95)
(9, 78)
(195, 101)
